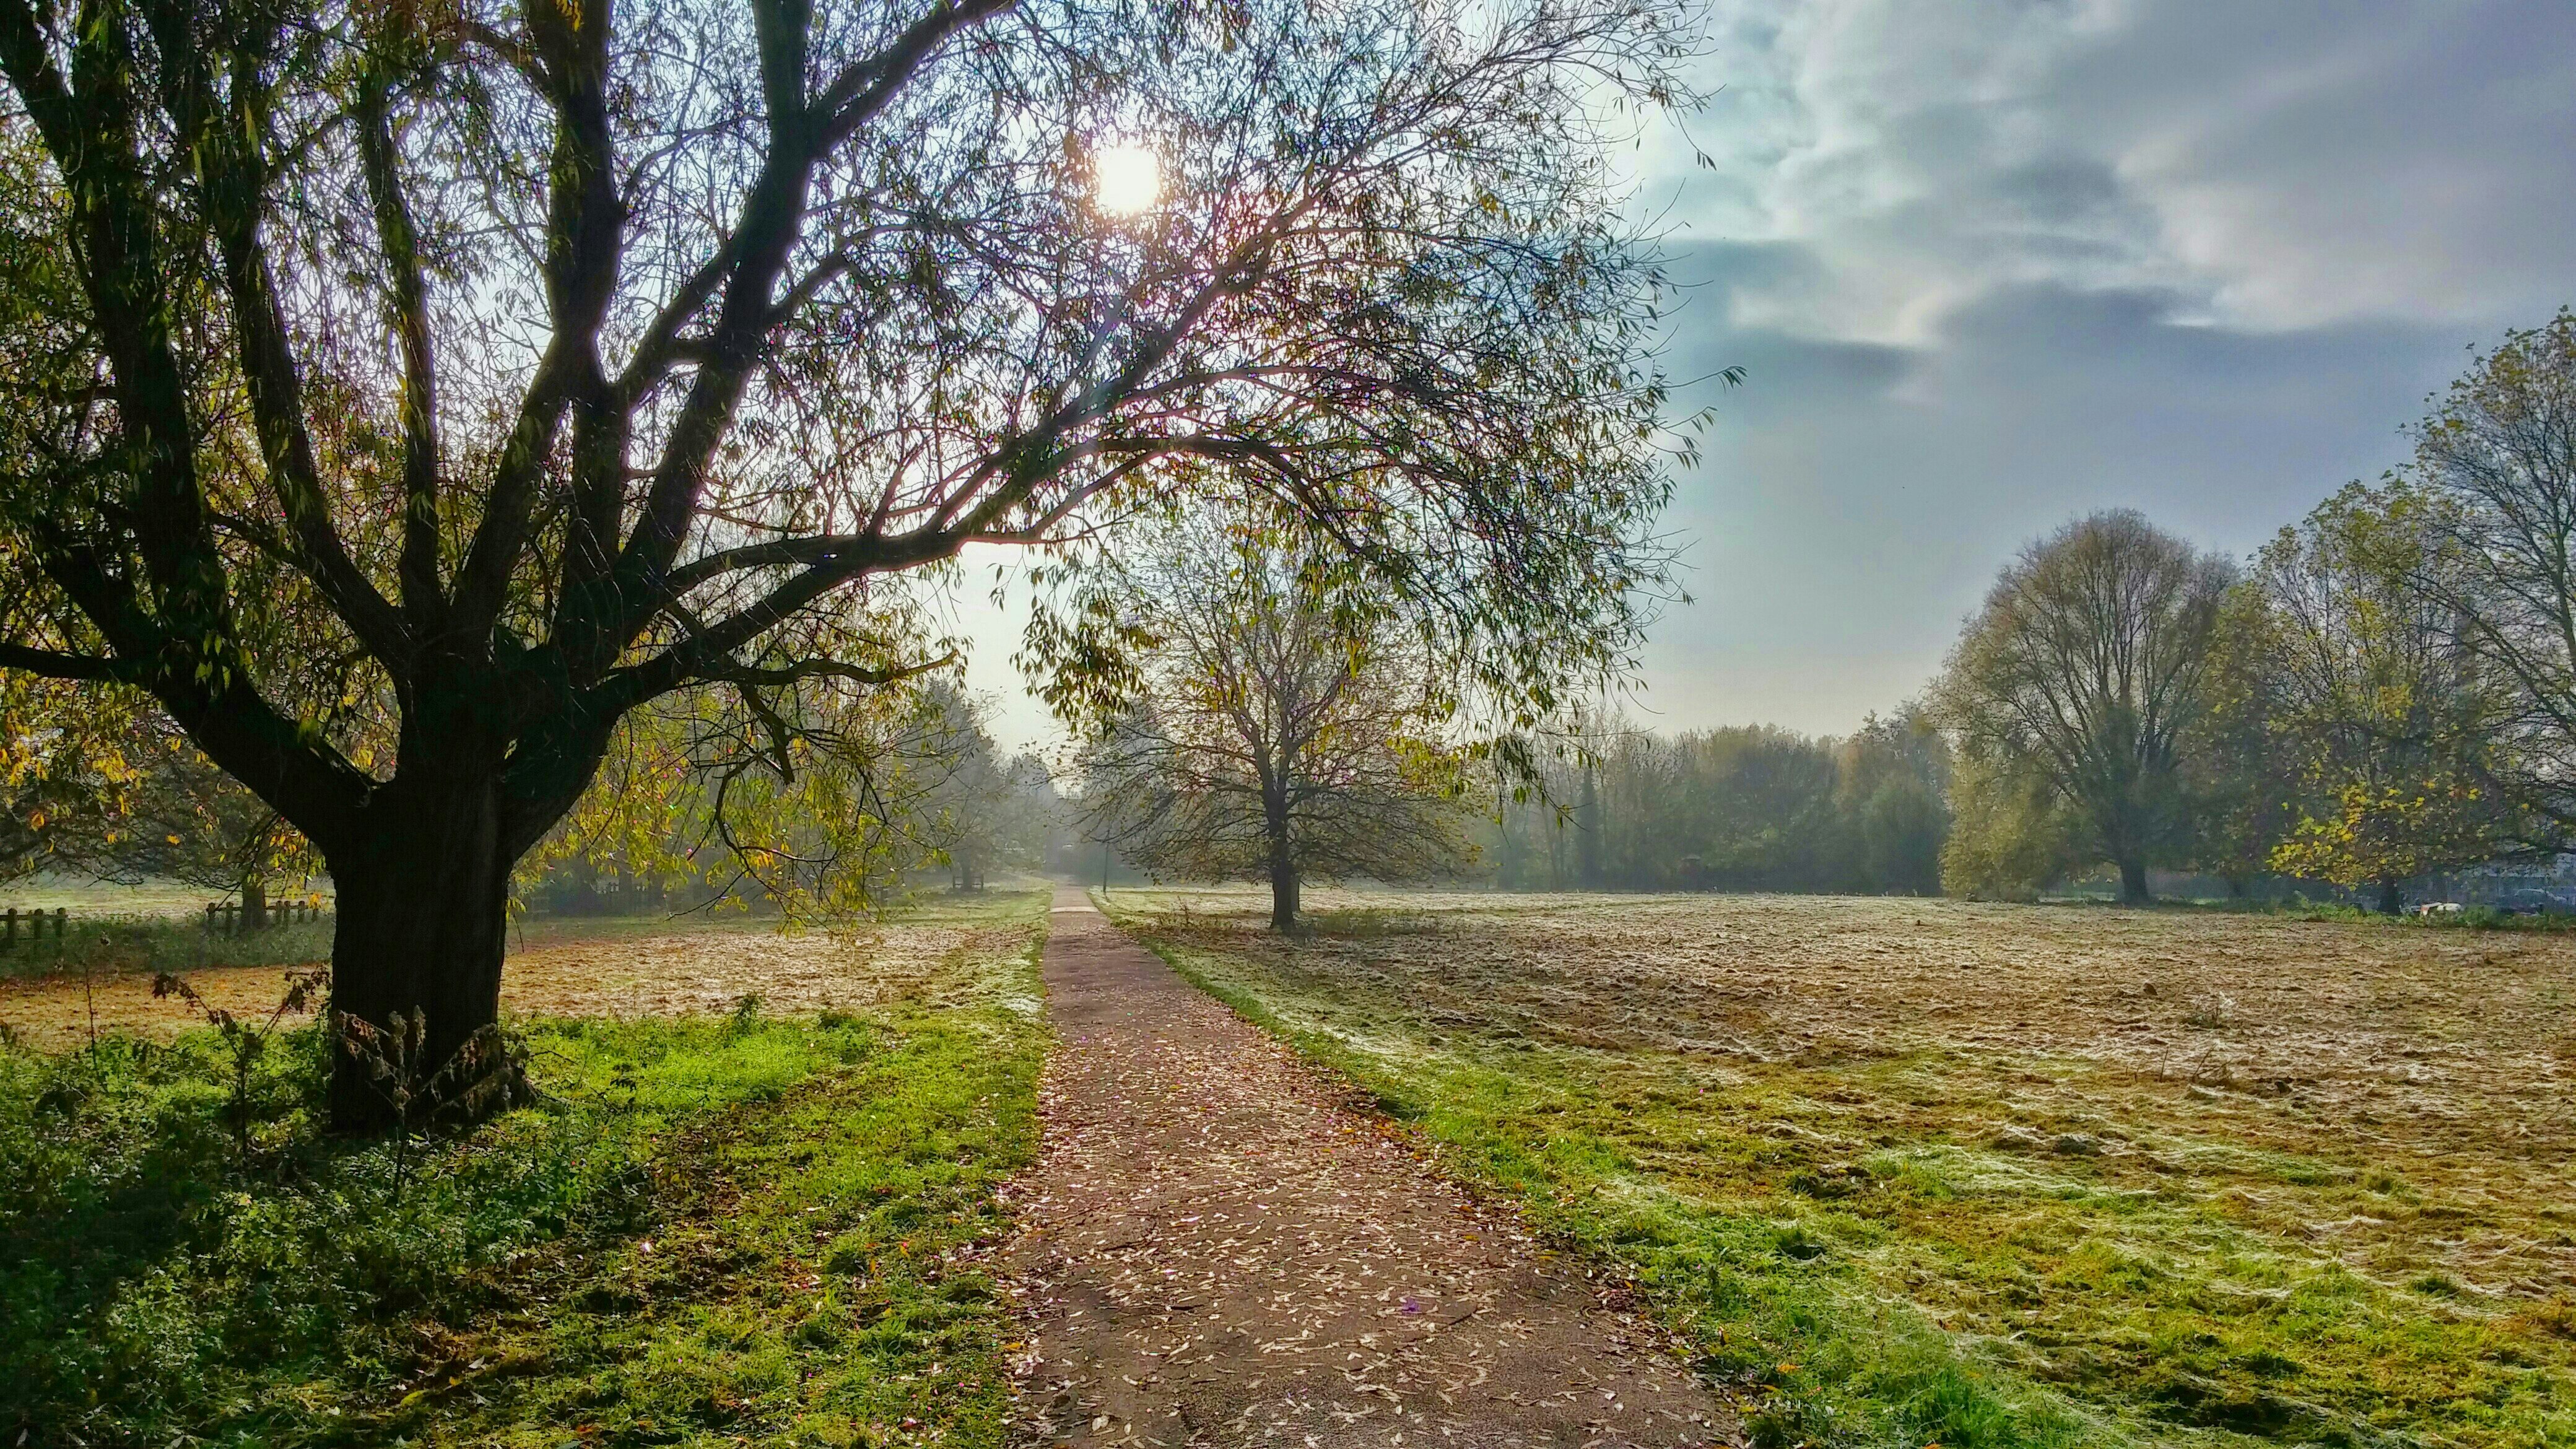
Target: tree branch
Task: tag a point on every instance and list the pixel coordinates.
(381, 157)
(55, 664)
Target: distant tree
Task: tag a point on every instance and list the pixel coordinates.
(2385, 723)
(2493, 479)
(1893, 788)
(405, 395)
(2010, 832)
(1284, 731)
(2086, 671)
(2243, 784)
(1739, 808)
(982, 811)
(1756, 805)
(1590, 823)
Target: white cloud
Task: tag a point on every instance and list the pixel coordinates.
(2276, 165)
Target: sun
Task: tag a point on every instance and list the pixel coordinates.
(1125, 179)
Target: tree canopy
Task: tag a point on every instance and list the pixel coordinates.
(2492, 487)
(2383, 725)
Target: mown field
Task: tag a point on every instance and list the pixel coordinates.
(1919, 1172)
(751, 1206)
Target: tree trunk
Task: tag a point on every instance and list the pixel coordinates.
(423, 912)
(1587, 818)
(2133, 883)
(1283, 891)
(1275, 829)
(2391, 900)
(254, 905)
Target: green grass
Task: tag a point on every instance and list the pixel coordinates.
(1866, 1265)
(726, 1231)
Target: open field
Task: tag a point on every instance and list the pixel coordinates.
(614, 968)
(151, 899)
(725, 1222)
(1919, 1171)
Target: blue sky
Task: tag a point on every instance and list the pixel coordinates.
(1991, 264)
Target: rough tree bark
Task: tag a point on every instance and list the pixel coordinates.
(422, 868)
(422, 916)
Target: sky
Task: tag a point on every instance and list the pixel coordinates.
(1990, 265)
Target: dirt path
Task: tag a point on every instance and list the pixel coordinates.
(1220, 1250)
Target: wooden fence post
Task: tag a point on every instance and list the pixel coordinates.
(9, 942)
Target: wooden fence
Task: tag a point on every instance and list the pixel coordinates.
(228, 917)
(35, 927)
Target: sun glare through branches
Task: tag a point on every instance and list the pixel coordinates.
(1126, 179)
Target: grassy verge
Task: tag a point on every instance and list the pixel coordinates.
(710, 1231)
(1855, 1246)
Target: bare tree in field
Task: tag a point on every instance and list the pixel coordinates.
(2494, 474)
(399, 395)
(1280, 734)
(2085, 670)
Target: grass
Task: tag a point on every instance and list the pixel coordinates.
(1987, 1176)
(711, 1230)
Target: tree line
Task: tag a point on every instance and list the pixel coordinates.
(2385, 691)
(1741, 808)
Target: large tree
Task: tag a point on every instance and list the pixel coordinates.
(2383, 723)
(400, 395)
(2086, 670)
(1281, 730)
(2494, 482)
